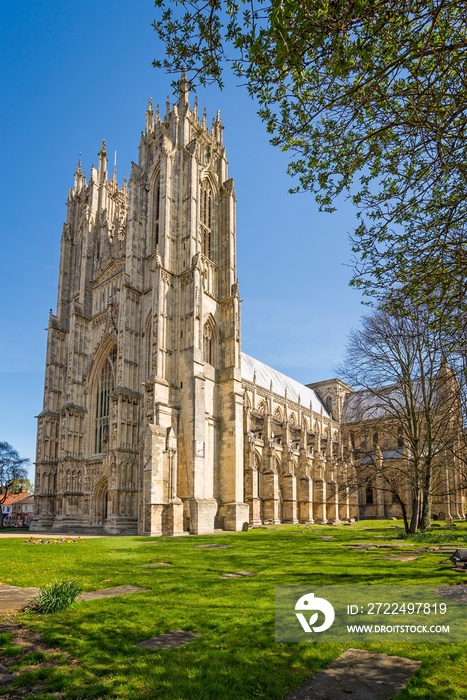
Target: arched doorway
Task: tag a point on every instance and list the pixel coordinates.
(99, 502)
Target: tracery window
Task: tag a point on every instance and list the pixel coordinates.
(206, 219)
(369, 492)
(105, 385)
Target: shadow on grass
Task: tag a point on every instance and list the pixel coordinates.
(237, 655)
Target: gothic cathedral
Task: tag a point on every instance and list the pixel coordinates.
(154, 421)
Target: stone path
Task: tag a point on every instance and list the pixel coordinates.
(213, 546)
(14, 598)
(170, 640)
(363, 675)
(26, 535)
(110, 592)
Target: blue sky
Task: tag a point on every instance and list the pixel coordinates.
(72, 74)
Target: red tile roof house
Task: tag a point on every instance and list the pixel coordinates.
(18, 508)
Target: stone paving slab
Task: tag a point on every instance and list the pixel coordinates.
(363, 675)
(401, 557)
(111, 592)
(157, 563)
(457, 593)
(170, 640)
(239, 574)
(213, 546)
(14, 598)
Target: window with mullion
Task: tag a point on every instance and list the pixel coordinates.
(105, 385)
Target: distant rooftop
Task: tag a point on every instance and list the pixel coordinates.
(380, 402)
(257, 372)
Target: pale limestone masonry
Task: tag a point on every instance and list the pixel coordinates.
(154, 422)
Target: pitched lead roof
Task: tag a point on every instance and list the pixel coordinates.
(257, 372)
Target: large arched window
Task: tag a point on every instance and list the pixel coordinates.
(105, 385)
(206, 219)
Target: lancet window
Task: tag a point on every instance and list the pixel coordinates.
(157, 210)
(208, 341)
(375, 440)
(400, 438)
(206, 216)
(148, 338)
(105, 385)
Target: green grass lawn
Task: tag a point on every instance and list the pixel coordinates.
(236, 655)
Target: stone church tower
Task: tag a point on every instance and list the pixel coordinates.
(142, 425)
(154, 422)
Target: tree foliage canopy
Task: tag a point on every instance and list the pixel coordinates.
(368, 96)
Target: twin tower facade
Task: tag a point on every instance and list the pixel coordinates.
(154, 422)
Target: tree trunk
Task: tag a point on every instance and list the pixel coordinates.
(404, 515)
(415, 512)
(425, 515)
(425, 519)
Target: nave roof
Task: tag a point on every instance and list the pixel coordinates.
(266, 377)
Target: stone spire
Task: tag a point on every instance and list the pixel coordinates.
(78, 176)
(102, 162)
(183, 93)
(149, 117)
(217, 128)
